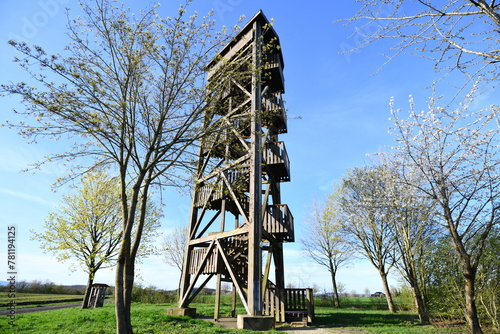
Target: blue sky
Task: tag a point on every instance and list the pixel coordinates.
(339, 113)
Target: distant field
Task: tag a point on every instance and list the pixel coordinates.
(36, 298)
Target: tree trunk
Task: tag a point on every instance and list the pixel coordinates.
(469, 272)
(128, 285)
(422, 308)
(122, 310)
(470, 302)
(88, 289)
(388, 296)
(336, 301)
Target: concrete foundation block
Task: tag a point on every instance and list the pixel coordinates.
(255, 323)
(190, 312)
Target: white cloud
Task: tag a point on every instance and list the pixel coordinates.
(27, 197)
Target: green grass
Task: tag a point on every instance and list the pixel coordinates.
(152, 318)
(376, 321)
(146, 318)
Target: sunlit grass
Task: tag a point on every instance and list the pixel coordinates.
(376, 321)
(152, 318)
(146, 318)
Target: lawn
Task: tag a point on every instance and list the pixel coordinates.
(152, 318)
(146, 318)
(377, 321)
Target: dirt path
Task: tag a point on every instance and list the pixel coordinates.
(320, 330)
(231, 323)
(39, 308)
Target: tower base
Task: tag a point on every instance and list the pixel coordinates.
(189, 312)
(255, 323)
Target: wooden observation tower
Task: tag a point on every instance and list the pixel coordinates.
(238, 223)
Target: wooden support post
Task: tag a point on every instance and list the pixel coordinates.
(267, 269)
(280, 279)
(233, 302)
(217, 298)
(255, 205)
(219, 276)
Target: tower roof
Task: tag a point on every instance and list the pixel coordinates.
(269, 33)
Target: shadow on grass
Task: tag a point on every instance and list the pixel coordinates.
(362, 318)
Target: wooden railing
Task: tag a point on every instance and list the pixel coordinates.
(278, 221)
(274, 305)
(197, 256)
(217, 190)
(299, 304)
(276, 159)
(293, 305)
(272, 60)
(274, 115)
(274, 66)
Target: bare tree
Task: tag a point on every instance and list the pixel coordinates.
(456, 34)
(366, 220)
(174, 246)
(324, 244)
(130, 91)
(456, 153)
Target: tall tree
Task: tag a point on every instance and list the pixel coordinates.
(324, 244)
(455, 34)
(457, 155)
(366, 220)
(414, 230)
(86, 227)
(130, 91)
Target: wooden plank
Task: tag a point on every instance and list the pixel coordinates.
(235, 279)
(221, 235)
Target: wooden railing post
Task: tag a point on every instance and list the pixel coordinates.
(310, 304)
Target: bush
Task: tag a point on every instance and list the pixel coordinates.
(152, 295)
(46, 287)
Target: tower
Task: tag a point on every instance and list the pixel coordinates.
(238, 224)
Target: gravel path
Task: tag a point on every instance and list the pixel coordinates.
(231, 323)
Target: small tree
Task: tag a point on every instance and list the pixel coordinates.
(86, 227)
(456, 153)
(366, 220)
(324, 244)
(174, 246)
(414, 229)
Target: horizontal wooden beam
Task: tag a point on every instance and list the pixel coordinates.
(219, 235)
